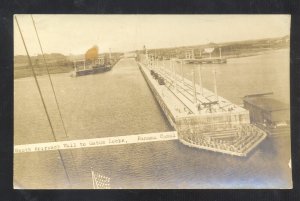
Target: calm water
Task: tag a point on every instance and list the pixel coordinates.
(120, 103)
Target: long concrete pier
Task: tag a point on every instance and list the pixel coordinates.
(202, 118)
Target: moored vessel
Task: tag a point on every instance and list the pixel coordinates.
(93, 63)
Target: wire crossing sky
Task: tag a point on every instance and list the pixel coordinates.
(74, 34)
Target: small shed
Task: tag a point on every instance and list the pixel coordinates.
(266, 110)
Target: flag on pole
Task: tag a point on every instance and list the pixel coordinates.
(100, 181)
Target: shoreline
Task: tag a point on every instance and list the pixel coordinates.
(242, 55)
(262, 52)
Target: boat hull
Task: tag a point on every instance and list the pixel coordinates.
(92, 71)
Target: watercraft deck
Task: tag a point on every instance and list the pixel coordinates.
(205, 61)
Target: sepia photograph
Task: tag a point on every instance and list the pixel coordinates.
(152, 101)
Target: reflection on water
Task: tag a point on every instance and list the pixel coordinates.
(120, 103)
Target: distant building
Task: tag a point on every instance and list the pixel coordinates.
(130, 55)
(189, 54)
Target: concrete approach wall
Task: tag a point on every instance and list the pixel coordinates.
(211, 123)
(200, 123)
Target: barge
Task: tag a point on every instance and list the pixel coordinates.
(201, 118)
(205, 61)
(82, 68)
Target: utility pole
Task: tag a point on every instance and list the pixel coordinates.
(170, 66)
(200, 80)
(174, 75)
(75, 67)
(215, 82)
(181, 67)
(194, 86)
(155, 59)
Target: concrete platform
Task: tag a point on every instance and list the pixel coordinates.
(199, 127)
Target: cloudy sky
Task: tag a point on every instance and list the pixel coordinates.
(74, 34)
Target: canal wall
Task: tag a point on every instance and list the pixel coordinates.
(208, 131)
(158, 96)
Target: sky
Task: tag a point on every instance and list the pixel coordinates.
(74, 34)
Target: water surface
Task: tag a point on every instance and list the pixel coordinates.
(119, 102)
